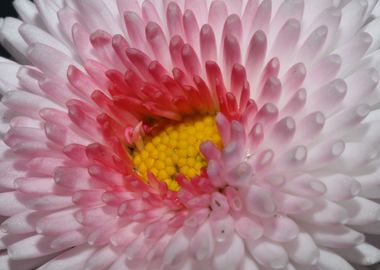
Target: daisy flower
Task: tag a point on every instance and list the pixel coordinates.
(190, 134)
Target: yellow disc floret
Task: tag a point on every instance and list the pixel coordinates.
(175, 149)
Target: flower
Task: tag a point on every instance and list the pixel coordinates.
(190, 135)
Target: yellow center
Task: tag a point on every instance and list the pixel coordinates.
(175, 149)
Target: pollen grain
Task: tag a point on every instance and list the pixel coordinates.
(175, 149)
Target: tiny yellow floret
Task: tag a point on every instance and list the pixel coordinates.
(175, 149)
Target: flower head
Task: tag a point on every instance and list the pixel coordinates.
(190, 135)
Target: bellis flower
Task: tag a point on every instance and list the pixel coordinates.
(192, 134)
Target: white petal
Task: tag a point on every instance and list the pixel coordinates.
(28, 12)
(231, 257)
(302, 249)
(8, 77)
(280, 229)
(72, 259)
(330, 261)
(11, 39)
(102, 258)
(57, 63)
(268, 254)
(363, 254)
(202, 243)
(361, 211)
(177, 248)
(32, 34)
(372, 28)
(12, 203)
(37, 246)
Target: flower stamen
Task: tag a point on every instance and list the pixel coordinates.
(174, 149)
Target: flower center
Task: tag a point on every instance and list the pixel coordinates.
(174, 149)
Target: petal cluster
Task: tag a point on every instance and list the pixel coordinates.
(292, 86)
